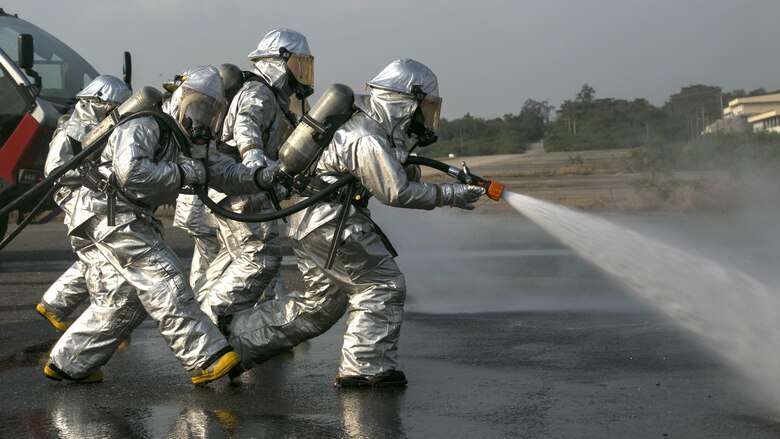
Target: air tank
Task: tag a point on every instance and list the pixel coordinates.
(304, 144)
(144, 99)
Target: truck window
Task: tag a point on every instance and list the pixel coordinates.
(63, 72)
(13, 107)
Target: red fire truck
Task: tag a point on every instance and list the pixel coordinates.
(39, 79)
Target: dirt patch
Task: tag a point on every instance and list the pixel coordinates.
(590, 180)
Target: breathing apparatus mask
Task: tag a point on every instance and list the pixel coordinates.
(300, 69)
(425, 119)
(200, 115)
(101, 107)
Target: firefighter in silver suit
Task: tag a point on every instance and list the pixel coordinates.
(364, 280)
(71, 289)
(140, 168)
(258, 121)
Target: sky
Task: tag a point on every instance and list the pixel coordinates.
(490, 55)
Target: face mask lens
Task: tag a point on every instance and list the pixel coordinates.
(200, 115)
(430, 107)
(302, 68)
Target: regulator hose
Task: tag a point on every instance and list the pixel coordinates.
(431, 163)
(201, 192)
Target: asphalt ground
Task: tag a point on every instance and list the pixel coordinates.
(507, 334)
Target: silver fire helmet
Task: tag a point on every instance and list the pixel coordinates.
(199, 103)
(409, 77)
(107, 89)
(284, 50)
(275, 40)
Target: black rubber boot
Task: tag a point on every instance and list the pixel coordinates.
(391, 378)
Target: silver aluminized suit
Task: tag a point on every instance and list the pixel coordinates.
(364, 279)
(255, 127)
(149, 172)
(191, 216)
(72, 288)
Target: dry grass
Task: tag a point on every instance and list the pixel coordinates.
(591, 181)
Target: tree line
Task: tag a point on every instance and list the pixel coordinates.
(586, 122)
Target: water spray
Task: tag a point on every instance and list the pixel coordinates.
(733, 313)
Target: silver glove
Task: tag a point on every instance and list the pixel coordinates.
(193, 171)
(458, 195)
(267, 177)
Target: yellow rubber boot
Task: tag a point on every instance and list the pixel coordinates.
(52, 318)
(51, 373)
(124, 345)
(216, 370)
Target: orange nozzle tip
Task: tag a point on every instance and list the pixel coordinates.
(494, 190)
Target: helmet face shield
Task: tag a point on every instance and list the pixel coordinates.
(104, 107)
(302, 68)
(200, 115)
(430, 107)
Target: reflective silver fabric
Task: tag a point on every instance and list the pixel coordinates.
(364, 280)
(85, 117)
(204, 79)
(146, 172)
(361, 148)
(254, 121)
(114, 311)
(71, 289)
(105, 88)
(403, 74)
(190, 215)
(249, 259)
(266, 59)
(250, 254)
(67, 292)
(270, 44)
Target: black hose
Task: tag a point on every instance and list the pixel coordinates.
(431, 163)
(38, 207)
(72, 163)
(200, 191)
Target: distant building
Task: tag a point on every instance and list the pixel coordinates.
(769, 121)
(754, 113)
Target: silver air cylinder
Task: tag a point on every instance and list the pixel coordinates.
(144, 99)
(306, 141)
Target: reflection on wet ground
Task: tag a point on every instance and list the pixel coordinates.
(492, 375)
(506, 336)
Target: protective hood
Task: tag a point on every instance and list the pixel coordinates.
(85, 117)
(403, 75)
(394, 96)
(106, 88)
(205, 79)
(288, 39)
(393, 111)
(267, 58)
(198, 103)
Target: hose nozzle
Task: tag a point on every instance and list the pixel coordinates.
(493, 189)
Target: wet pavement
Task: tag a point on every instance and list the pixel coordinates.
(507, 335)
